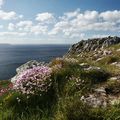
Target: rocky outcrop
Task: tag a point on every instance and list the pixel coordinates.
(28, 65)
(93, 44)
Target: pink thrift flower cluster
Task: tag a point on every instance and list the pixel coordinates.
(33, 81)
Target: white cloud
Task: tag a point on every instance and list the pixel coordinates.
(24, 25)
(8, 15)
(12, 33)
(45, 17)
(70, 15)
(58, 27)
(77, 35)
(21, 16)
(39, 29)
(90, 15)
(11, 26)
(28, 27)
(111, 15)
(73, 24)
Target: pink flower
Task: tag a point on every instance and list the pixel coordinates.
(33, 81)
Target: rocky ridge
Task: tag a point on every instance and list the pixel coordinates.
(93, 44)
(97, 54)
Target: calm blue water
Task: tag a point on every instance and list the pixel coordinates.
(12, 56)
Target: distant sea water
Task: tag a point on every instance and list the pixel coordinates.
(12, 56)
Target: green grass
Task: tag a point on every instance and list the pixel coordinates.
(4, 83)
(62, 101)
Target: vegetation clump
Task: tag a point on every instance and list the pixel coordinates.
(55, 91)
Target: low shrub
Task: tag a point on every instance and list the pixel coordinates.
(94, 76)
(109, 60)
(33, 81)
(112, 59)
(113, 88)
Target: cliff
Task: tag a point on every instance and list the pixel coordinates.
(84, 85)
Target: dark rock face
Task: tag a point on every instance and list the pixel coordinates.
(93, 44)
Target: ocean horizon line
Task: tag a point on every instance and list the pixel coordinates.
(34, 44)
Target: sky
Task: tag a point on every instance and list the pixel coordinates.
(57, 21)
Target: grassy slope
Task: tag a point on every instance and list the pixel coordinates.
(63, 101)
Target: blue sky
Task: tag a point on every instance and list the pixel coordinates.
(57, 21)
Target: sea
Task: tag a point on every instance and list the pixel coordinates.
(13, 56)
